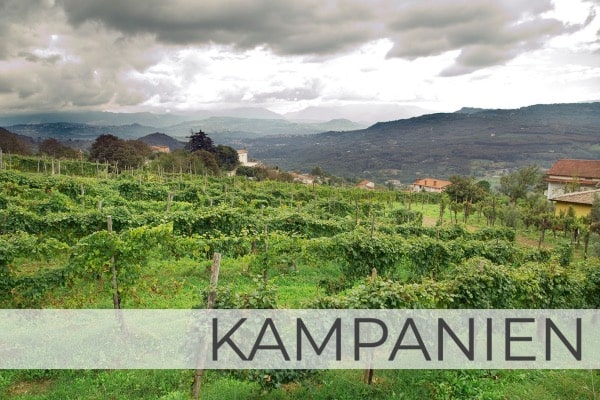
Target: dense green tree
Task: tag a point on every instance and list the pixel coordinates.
(124, 153)
(484, 185)
(200, 141)
(227, 157)
(208, 160)
(54, 148)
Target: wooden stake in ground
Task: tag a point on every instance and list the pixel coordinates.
(113, 270)
(368, 375)
(169, 201)
(212, 297)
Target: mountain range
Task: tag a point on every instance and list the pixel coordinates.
(363, 114)
(470, 141)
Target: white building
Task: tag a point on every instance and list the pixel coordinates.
(243, 157)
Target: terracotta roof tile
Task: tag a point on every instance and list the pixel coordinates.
(433, 183)
(576, 168)
(586, 197)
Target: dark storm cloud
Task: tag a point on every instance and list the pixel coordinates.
(45, 63)
(297, 27)
(487, 32)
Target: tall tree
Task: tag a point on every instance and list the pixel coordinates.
(200, 141)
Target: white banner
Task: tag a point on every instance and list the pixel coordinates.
(299, 339)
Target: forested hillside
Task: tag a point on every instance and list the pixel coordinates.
(474, 142)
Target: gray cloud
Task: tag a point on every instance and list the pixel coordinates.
(311, 90)
(298, 27)
(97, 46)
(486, 33)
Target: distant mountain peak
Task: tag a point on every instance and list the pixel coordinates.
(161, 139)
(470, 110)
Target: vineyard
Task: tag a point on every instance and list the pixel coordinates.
(80, 235)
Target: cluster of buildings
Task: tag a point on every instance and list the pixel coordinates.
(571, 183)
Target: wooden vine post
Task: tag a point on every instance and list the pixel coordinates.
(169, 201)
(212, 297)
(368, 375)
(113, 270)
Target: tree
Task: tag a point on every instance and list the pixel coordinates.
(200, 141)
(125, 153)
(208, 160)
(227, 157)
(484, 185)
(517, 184)
(465, 191)
(54, 148)
(540, 213)
(199, 162)
(318, 171)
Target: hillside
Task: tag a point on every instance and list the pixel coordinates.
(229, 128)
(476, 142)
(11, 143)
(77, 131)
(160, 139)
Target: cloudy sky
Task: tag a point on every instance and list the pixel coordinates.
(182, 55)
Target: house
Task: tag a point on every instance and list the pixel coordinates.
(160, 149)
(572, 175)
(581, 202)
(243, 158)
(430, 185)
(366, 184)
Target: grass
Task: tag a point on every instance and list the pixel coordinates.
(178, 284)
(331, 384)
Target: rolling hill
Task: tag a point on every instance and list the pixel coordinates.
(472, 141)
(221, 129)
(160, 139)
